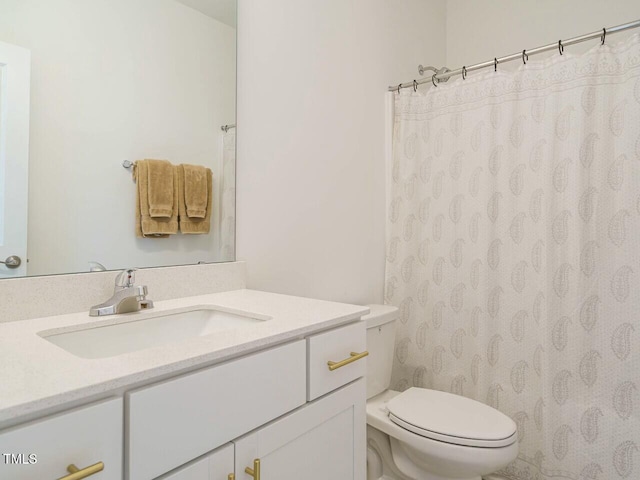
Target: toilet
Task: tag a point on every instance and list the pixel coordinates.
(423, 434)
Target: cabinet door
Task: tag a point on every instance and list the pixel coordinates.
(214, 466)
(82, 437)
(323, 440)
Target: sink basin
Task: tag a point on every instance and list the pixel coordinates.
(151, 330)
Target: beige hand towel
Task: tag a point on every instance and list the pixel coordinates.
(190, 225)
(146, 226)
(196, 191)
(160, 186)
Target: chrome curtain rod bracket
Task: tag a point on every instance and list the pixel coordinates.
(430, 78)
(436, 71)
(422, 69)
(443, 74)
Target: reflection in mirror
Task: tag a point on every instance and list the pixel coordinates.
(14, 158)
(87, 84)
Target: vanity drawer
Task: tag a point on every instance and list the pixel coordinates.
(336, 346)
(82, 437)
(173, 422)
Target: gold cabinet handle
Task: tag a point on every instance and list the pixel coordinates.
(76, 474)
(255, 471)
(353, 358)
(231, 476)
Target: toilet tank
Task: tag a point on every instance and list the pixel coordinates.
(381, 335)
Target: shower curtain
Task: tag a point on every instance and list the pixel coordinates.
(513, 254)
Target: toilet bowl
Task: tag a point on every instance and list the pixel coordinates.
(427, 434)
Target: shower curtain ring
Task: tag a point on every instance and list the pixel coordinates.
(560, 47)
(433, 80)
(464, 73)
(415, 86)
(495, 64)
(603, 36)
(524, 54)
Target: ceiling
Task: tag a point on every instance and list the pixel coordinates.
(221, 10)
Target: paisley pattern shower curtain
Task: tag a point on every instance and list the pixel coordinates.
(513, 253)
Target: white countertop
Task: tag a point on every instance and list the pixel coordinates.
(38, 377)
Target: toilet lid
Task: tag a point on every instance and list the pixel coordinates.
(451, 418)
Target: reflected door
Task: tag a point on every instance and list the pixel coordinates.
(14, 157)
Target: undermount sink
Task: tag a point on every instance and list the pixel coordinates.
(150, 330)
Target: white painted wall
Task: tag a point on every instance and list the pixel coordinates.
(115, 80)
(480, 30)
(312, 78)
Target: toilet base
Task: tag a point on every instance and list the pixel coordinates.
(381, 462)
(410, 466)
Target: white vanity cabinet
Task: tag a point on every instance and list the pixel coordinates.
(318, 440)
(281, 405)
(83, 437)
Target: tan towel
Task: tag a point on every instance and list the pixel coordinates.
(196, 190)
(189, 225)
(160, 187)
(147, 226)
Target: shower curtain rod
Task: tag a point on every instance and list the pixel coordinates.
(443, 74)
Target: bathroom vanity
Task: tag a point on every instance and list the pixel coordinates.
(257, 400)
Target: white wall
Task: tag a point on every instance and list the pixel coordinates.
(480, 30)
(114, 80)
(312, 78)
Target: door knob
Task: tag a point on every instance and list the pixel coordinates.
(12, 261)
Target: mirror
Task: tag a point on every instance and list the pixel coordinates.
(86, 85)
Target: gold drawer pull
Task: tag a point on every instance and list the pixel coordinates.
(76, 474)
(353, 358)
(232, 476)
(255, 471)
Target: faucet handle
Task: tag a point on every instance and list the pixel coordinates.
(126, 278)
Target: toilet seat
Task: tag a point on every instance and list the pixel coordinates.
(451, 419)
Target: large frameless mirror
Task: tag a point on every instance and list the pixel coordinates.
(89, 86)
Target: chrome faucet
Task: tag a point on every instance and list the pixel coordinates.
(127, 297)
